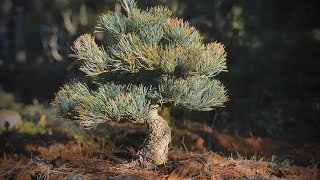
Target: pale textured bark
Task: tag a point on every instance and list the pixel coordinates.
(155, 150)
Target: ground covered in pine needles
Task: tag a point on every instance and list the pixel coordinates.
(96, 154)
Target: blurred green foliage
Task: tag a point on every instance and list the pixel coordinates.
(7, 100)
(33, 112)
(29, 127)
(33, 115)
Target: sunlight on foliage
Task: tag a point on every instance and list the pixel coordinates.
(148, 40)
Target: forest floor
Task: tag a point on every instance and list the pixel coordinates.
(96, 154)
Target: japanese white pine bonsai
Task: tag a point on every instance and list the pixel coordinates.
(156, 60)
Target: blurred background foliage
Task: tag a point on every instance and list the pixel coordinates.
(273, 57)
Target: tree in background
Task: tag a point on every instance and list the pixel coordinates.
(33, 37)
(157, 60)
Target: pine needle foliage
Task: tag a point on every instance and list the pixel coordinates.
(157, 59)
(194, 92)
(69, 97)
(115, 102)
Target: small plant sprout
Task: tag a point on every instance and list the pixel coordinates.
(157, 60)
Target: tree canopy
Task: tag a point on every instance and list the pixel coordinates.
(157, 59)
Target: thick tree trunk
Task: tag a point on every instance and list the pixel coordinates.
(155, 150)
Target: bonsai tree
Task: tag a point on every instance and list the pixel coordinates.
(156, 60)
